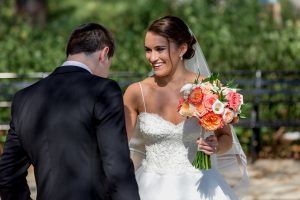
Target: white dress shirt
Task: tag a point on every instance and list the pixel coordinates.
(77, 64)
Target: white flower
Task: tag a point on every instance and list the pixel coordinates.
(242, 99)
(187, 87)
(218, 107)
(242, 102)
(186, 90)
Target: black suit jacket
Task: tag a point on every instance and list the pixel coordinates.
(70, 126)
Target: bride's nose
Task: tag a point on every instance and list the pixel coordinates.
(153, 56)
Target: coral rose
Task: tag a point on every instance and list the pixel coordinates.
(211, 121)
(196, 96)
(181, 100)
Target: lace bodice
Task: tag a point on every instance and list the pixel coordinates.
(169, 148)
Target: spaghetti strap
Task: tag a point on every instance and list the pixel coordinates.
(143, 96)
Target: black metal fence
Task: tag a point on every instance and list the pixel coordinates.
(273, 98)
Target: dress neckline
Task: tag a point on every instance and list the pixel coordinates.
(163, 119)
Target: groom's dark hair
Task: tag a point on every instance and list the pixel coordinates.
(89, 38)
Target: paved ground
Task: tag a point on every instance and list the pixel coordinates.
(274, 180)
(270, 180)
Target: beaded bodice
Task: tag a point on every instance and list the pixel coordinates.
(170, 148)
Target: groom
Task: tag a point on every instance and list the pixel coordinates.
(70, 126)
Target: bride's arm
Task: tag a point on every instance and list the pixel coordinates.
(131, 108)
(136, 143)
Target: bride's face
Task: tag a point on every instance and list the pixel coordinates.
(162, 55)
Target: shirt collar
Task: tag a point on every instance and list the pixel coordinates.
(77, 64)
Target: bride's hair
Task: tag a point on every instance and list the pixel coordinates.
(175, 30)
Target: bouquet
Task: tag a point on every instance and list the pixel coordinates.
(214, 105)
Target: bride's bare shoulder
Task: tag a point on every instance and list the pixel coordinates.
(134, 89)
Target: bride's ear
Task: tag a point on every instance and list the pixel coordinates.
(183, 48)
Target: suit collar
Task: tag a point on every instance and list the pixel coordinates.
(69, 69)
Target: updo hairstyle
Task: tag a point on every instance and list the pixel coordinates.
(175, 30)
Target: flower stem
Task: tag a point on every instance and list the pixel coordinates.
(202, 161)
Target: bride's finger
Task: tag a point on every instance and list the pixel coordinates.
(206, 147)
(207, 152)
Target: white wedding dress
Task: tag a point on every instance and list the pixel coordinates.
(166, 173)
(163, 153)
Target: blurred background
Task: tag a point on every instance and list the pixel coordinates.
(256, 43)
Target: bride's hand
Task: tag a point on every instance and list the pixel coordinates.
(209, 145)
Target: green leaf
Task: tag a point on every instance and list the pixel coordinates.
(231, 84)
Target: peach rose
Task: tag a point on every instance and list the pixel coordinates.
(234, 100)
(186, 109)
(196, 96)
(206, 88)
(209, 100)
(200, 110)
(228, 115)
(211, 121)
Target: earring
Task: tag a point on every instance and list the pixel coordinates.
(180, 57)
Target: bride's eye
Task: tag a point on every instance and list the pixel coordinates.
(160, 49)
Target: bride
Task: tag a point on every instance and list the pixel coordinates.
(163, 143)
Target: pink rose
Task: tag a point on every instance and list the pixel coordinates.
(209, 100)
(234, 100)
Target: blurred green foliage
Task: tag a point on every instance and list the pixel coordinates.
(233, 35)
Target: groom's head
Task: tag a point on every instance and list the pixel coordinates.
(93, 45)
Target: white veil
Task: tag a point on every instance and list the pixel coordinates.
(232, 164)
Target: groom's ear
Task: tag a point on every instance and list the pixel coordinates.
(103, 56)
